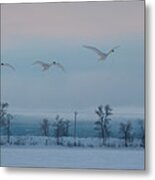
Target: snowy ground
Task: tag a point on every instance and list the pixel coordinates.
(42, 141)
(65, 157)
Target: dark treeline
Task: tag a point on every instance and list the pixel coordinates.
(61, 127)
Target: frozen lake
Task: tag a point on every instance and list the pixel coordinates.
(60, 157)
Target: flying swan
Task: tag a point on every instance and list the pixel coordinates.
(102, 55)
(46, 66)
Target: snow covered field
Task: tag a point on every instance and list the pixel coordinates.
(65, 157)
(42, 141)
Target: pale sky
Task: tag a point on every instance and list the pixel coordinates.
(57, 31)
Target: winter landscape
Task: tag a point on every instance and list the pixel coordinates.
(28, 141)
(72, 85)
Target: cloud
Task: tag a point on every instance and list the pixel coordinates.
(71, 20)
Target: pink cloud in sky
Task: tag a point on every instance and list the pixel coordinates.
(71, 20)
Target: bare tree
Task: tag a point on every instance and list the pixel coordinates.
(3, 113)
(45, 128)
(8, 126)
(142, 133)
(59, 129)
(108, 112)
(125, 130)
(5, 120)
(102, 124)
(75, 122)
(66, 127)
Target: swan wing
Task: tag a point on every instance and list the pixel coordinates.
(9, 65)
(100, 53)
(38, 62)
(116, 47)
(60, 66)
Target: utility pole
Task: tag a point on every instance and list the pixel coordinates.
(75, 119)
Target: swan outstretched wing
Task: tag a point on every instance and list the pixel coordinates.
(9, 65)
(116, 47)
(38, 62)
(60, 66)
(100, 53)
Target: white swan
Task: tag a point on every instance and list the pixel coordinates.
(8, 65)
(46, 66)
(102, 55)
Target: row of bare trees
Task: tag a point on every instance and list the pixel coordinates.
(102, 126)
(61, 126)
